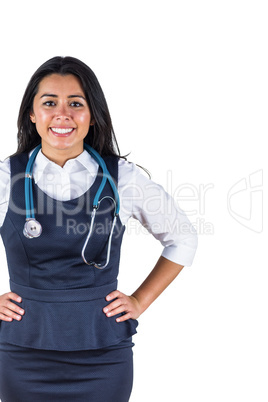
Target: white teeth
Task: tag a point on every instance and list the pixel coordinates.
(62, 130)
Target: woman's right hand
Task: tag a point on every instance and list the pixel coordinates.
(9, 310)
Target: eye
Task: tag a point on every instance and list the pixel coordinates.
(49, 103)
(76, 104)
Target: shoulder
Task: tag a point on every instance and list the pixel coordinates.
(130, 168)
(4, 184)
(4, 168)
(129, 172)
(133, 181)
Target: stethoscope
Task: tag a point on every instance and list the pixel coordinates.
(33, 228)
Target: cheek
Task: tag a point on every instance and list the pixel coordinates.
(85, 120)
(42, 123)
(42, 117)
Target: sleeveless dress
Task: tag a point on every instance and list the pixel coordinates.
(64, 348)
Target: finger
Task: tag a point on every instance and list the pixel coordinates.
(116, 303)
(5, 318)
(13, 307)
(113, 295)
(5, 311)
(118, 310)
(124, 317)
(14, 296)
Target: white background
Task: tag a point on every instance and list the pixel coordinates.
(186, 84)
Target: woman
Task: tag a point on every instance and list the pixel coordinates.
(66, 331)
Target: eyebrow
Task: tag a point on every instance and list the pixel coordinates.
(55, 96)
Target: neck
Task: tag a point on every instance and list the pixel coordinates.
(61, 156)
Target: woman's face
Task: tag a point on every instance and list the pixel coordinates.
(61, 115)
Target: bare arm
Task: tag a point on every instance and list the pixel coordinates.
(164, 272)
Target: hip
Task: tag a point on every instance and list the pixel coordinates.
(65, 320)
(100, 375)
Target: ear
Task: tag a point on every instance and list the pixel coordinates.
(32, 117)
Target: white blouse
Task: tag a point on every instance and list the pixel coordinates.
(140, 198)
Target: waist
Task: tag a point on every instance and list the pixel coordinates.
(65, 319)
(62, 295)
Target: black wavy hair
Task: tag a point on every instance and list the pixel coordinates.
(100, 135)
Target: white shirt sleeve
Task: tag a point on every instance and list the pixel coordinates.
(157, 211)
(4, 188)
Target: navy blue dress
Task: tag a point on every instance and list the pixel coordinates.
(64, 347)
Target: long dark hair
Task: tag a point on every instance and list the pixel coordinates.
(100, 136)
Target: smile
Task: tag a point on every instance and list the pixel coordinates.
(61, 132)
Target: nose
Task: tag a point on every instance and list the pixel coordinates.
(62, 113)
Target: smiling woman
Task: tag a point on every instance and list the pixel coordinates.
(100, 134)
(66, 330)
(62, 117)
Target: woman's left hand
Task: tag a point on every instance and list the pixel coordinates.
(122, 304)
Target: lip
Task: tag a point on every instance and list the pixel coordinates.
(62, 134)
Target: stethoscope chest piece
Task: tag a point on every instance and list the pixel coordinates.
(32, 228)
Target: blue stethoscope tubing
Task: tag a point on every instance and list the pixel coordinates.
(33, 228)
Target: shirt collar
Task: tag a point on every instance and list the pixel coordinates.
(41, 163)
